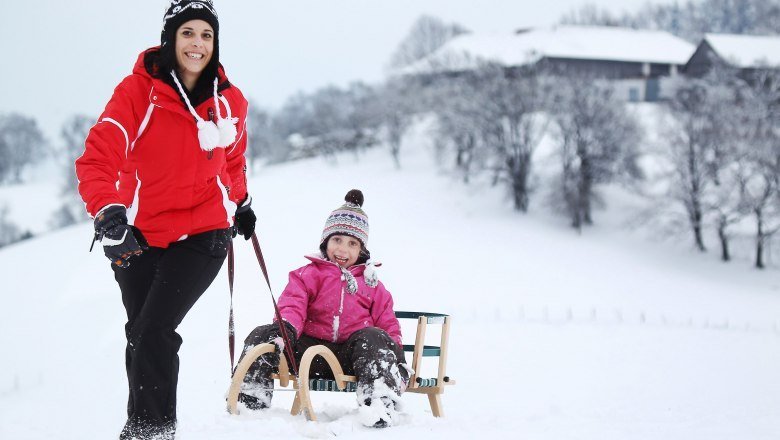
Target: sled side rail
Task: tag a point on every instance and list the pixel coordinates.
(241, 369)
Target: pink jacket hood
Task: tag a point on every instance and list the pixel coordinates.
(317, 301)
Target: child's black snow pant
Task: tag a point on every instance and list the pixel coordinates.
(158, 289)
(369, 354)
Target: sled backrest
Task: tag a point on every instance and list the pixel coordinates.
(420, 350)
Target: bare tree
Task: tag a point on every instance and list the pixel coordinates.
(691, 149)
(21, 144)
(397, 108)
(592, 15)
(512, 103)
(460, 125)
(598, 142)
(760, 198)
(73, 134)
(426, 35)
(264, 141)
(760, 186)
(9, 231)
(725, 167)
(364, 116)
(726, 203)
(329, 120)
(492, 116)
(691, 19)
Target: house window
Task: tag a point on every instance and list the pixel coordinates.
(633, 94)
(652, 90)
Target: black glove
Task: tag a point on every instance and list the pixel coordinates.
(118, 238)
(245, 220)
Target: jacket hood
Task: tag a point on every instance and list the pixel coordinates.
(366, 270)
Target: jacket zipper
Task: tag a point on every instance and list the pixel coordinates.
(210, 154)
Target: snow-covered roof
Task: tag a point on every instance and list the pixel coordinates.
(746, 50)
(576, 42)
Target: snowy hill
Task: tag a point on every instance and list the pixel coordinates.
(555, 335)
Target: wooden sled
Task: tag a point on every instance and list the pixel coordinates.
(304, 385)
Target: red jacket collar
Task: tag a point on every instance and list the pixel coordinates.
(166, 94)
(357, 269)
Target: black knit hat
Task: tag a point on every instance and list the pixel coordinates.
(161, 63)
(182, 11)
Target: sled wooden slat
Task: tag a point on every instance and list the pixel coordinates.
(431, 318)
(304, 385)
(330, 385)
(427, 350)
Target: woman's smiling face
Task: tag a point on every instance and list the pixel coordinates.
(194, 46)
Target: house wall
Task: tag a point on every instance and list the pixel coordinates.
(632, 90)
(607, 69)
(701, 61)
(633, 81)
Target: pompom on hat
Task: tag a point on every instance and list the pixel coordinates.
(348, 219)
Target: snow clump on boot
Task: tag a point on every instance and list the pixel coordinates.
(378, 405)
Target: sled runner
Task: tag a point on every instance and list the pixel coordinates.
(304, 385)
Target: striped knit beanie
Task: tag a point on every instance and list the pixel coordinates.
(349, 219)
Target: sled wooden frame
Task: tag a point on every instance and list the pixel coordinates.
(433, 387)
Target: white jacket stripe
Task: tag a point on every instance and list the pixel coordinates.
(132, 210)
(230, 207)
(243, 130)
(127, 138)
(143, 125)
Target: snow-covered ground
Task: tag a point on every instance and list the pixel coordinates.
(600, 336)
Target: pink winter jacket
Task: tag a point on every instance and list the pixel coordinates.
(317, 303)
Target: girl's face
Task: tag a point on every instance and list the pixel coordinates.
(194, 45)
(343, 250)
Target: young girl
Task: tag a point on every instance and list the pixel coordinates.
(336, 300)
(163, 174)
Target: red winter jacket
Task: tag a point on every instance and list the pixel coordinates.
(144, 153)
(316, 302)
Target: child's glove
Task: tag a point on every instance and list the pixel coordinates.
(279, 342)
(116, 236)
(245, 220)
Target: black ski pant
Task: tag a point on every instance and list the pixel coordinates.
(369, 354)
(158, 289)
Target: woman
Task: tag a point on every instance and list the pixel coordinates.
(163, 174)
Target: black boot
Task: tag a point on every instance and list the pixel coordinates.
(136, 430)
(257, 389)
(253, 403)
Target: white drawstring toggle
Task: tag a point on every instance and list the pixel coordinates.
(211, 135)
(226, 126)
